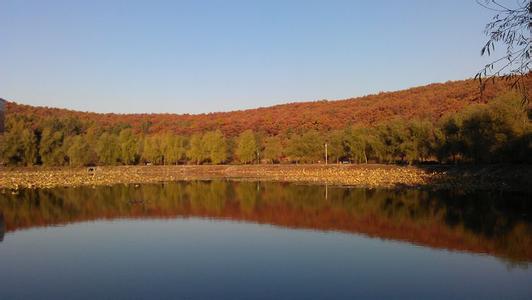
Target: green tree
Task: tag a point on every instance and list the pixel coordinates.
(247, 147)
(29, 146)
(493, 132)
(51, 147)
(18, 145)
(513, 129)
(71, 126)
(335, 145)
(308, 147)
(374, 147)
(215, 146)
(418, 141)
(153, 149)
(479, 134)
(173, 148)
(78, 151)
(392, 135)
(91, 137)
(487, 130)
(108, 149)
(128, 146)
(273, 149)
(450, 143)
(196, 152)
(355, 144)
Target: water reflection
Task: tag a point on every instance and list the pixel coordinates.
(496, 224)
(2, 227)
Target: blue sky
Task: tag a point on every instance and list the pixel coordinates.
(204, 56)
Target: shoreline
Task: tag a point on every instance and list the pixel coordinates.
(466, 177)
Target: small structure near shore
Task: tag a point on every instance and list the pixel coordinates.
(91, 170)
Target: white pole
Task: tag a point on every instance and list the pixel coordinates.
(326, 158)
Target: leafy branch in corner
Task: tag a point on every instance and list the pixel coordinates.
(511, 26)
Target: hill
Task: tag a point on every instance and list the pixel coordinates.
(431, 102)
(401, 127)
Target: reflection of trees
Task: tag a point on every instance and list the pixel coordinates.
(481, 222)
(2, 227)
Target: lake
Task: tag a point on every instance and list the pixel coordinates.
(263, 240)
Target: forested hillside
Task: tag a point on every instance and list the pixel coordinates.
(447, 122)
(427, 102)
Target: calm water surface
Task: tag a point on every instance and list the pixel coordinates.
(252, 240)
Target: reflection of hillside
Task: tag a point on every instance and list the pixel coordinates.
(484, 223)
(2, 227)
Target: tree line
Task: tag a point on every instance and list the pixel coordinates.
(499, 131)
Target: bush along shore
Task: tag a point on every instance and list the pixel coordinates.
(488, 177)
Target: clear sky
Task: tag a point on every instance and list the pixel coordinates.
(203, 56)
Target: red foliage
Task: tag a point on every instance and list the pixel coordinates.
(430, 101)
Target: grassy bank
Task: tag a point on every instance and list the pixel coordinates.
(491, 177)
